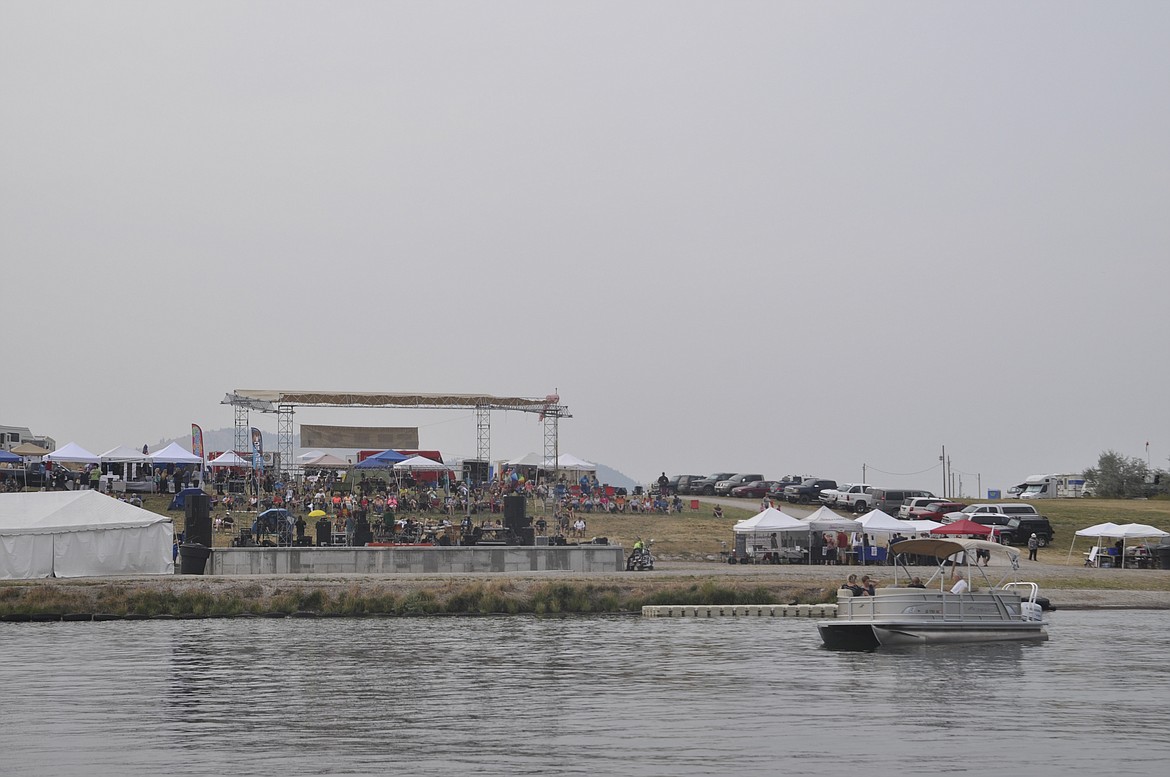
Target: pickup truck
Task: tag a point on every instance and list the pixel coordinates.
(847, 496)
(808, 490)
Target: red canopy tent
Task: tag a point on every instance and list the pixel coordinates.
(965, 526)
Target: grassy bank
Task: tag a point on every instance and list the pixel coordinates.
(214, 597)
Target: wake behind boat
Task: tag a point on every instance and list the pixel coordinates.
(902, 615)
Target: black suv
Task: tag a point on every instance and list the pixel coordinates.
(1023, 528)
(706, 486)
(808, 491)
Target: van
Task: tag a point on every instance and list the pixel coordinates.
(888, 500)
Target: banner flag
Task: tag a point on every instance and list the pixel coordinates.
(197, 440)
(257, 449)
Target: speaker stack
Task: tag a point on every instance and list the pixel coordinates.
(198, 508)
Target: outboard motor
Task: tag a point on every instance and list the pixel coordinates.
(1030, 611)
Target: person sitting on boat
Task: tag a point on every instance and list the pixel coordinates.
(916, 582)
(868, 584)
(852, 586)
(960, 585)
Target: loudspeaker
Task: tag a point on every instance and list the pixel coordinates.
(527, 535)
(198, 519)
(515, 517)
(324, 532)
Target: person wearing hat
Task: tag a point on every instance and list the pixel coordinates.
(1033, 544)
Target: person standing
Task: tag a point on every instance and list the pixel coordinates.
(663, 483)
(1033, 546)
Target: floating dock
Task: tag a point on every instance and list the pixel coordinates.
(740, 611)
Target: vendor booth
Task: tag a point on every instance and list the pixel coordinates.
(80, 534)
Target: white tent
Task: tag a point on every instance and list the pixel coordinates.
(174, 454)
(569, 461)
(768, 521)
(229, 459)
(1124, 532)
(825, 519)
(923, 526)
(81, 534)
(419, 462)
(327, 461)
(878, 522)
(73, 453)
(310, 455)
(529, 460)
(122, 454)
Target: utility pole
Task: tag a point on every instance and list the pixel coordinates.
(979, 493)
(862, 473)
(943, 459)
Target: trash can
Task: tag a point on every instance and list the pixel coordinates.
(1163, 556)
(193, 558)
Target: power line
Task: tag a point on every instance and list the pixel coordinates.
(903, 474)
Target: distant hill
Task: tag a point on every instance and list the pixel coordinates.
(224, 440)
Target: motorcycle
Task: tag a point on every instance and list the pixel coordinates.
(641, 560)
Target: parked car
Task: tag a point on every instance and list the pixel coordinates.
(1013, 509)
(936, 511)
(723, 487)
(914, 504)
(685, 481)
(674, 484)
(757, 489)
(808, 490)
(788, 480)
(1023, 527)
(706, 486)
(888, 500)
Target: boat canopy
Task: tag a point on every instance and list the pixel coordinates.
(945, 548)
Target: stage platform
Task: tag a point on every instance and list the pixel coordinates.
(415, 560)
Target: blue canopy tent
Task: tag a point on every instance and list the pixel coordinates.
(275, 520)
(383, 460)
(12, 458)
(180, 500)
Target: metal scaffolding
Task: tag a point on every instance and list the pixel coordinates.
(284, 437)
(282, 403)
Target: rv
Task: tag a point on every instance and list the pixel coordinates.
(1050, 487)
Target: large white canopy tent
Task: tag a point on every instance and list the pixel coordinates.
(879, 522)
(174, 454)
(73, 454)
(81, 534)
(1113, 531)
(768, 521)
(229, 459)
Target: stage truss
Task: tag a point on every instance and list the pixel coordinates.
(284, 404)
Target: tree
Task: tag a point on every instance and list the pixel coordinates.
(1118, 477)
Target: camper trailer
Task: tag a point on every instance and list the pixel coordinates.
(1051, 487)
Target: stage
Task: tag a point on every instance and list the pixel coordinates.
(415, 560)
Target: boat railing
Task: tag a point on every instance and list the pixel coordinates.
(1032, 588)
(927, 605)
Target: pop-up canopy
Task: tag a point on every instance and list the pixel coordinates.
(73, 453)
(174, 454)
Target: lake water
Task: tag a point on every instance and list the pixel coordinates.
(589, 696)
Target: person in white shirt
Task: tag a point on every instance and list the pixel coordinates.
(960, 585)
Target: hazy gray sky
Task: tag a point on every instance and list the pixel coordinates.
(784, 237)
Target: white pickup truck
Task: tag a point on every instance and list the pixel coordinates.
(853, 496)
